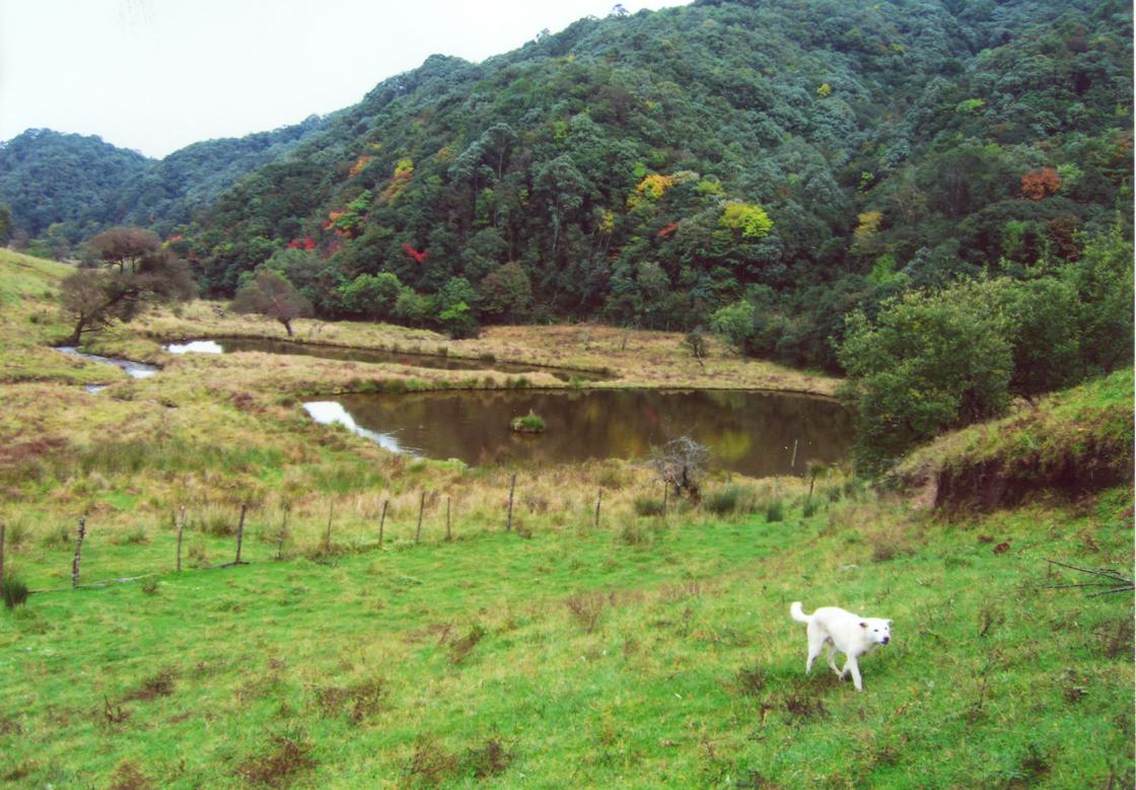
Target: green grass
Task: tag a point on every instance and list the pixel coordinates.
(648, 653)
(1063, 424)
(691, 674)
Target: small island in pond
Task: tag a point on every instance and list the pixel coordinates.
(530, 423)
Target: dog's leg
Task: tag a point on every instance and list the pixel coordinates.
(815, 646)
(831, 651)
(854, 668)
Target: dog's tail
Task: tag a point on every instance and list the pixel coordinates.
(798, 614)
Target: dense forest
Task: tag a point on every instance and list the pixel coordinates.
(63, 188)
(764, 168)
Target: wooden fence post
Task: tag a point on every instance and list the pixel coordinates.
(327, 534)
(421, 506)
(382, 521)
(448, 535)
(240, 533)
(180, 528)
(666, 493)
(599, 499)
(283, 532)
(509, 519)
(78, 552)
(1, 550)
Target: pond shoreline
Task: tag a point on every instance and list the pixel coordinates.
(387, 348)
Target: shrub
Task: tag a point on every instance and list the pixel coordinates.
(774, 510)
(586, 609)
(648, 506)
(724, 500)
(530, 423)
(14, 590)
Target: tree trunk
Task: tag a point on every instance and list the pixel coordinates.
(287, 326)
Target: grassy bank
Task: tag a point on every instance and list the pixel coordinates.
(1076, 440)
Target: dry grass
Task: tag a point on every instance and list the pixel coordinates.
(639, 358)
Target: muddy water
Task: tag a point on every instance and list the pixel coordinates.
(751, 433)
(437, 361)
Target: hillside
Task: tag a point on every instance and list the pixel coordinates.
(81, 185)
(47, 177)
(650, 170)
(807, 158)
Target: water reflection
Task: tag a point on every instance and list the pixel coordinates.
(748, 432)
(327, 412)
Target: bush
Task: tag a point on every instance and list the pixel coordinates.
(13, 590)
(930, 362)
(648, 506)
(774, 510)
(724, 500)
(530, 423)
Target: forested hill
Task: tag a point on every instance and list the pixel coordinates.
(651, 168)
(47, 177)
(787, 160)
(81, 184)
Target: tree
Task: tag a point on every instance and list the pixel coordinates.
(270, 294)
(371, 295)
(929, 362)
(125, 247)
(681, 463)
(506, 292)
(1041, 183)
(96, 298)
(750, 219)
(695, 341)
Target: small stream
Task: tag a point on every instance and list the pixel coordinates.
(136, 370)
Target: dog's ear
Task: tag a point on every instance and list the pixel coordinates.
(888, 622)
(863, 624)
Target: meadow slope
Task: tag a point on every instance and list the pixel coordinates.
(645, 651)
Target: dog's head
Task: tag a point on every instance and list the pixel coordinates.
(877, 630)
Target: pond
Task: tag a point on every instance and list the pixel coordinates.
(437, 361)
(752, 433)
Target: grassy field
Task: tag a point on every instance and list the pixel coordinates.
(645, 652)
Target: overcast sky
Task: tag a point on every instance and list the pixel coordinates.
(156, 75)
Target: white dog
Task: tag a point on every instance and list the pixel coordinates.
(835, 629)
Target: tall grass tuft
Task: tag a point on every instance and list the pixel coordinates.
(648, 506)
(774, 510)
(13, 590)
(725, 500)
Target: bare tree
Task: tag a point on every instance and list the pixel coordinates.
(270, 294)
(681, 463)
